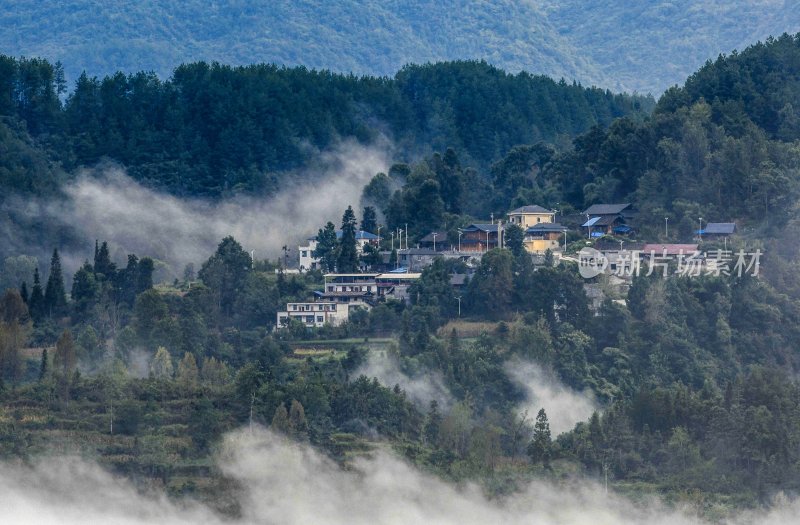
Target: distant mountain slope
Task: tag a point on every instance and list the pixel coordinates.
(650, 45)
(361, 36)
(644, 46)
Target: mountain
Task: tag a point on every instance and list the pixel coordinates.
(641, 46)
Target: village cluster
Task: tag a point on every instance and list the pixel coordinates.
(402, 265)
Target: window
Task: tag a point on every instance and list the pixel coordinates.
(304, 253)
(319, 318)
(294, 307)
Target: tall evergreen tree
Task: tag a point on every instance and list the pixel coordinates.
(327, 247)
(224, 272)
(36, 301)
(347, 262)
(55, 296)
(541, 446)
(369, 220)
(513, 237)
(102, 262)
(84, 288)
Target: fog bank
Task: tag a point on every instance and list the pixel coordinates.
(291, 484)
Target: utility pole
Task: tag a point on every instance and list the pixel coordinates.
(700, 231)
(434, 241)
(392, 240)
(666, 226)
(458, 298)
(460, 233)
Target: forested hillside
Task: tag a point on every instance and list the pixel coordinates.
(204, 131)
(645, 47)
(682, 386)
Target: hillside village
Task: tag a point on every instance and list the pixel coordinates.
(389, 266)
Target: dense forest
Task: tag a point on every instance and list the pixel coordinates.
(693, 379)
(646, 47)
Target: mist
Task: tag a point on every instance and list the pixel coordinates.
(421, 388)
(288, 483)
(564, 407)
(104, 203)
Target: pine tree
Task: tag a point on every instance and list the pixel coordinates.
(102, 262)
(327, 249)
(55, 296)
(432, 423)
(36, 300)
(161, 365)
(541, 446)
(369, 220)
(280, 420)
(513, 239)
(297, 420)
(187, 371)
(347, 262)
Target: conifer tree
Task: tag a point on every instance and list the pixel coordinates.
(102, 262)
(36, 300)
(327, 247)
(369, 220)
(280, 420)
(55, 296)
(297, 420)
(347, 262)
(541, 445)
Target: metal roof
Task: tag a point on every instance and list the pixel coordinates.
(719, 228)
(530, 209)
(546, 227)
(481, 227)
(590, 222)
(605, 209)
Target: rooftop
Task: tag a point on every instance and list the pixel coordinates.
(481, 227)
(546, 227)
(719, 228)
(606, 209)
(530, 209)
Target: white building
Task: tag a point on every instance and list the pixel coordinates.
(307, 261)
(316, 315)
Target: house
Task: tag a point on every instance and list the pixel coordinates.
(436, 241)
(528, 216)
(718, 230)
(307, 261)
(544, 236)
(395, 285)
(607, 219)
(479, 238)
(349, 288)
(416, 259)
(317, 314)
(364, 288)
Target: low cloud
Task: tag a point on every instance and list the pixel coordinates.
(421, 388)
(291, 484)
(564, 407)
(104, 203)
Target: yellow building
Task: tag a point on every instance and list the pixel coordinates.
(544, 236)
(529, 216)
